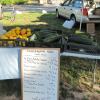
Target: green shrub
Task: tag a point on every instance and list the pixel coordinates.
(20, 1)
(5, 2)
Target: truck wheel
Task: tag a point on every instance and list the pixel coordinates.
(73, 18)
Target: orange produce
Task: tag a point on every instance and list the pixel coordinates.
(18, 32)
(23, 31)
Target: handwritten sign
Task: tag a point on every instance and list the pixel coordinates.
(40, 73)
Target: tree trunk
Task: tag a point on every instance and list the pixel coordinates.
(1, 14)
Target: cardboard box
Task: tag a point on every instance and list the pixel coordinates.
(90, 28)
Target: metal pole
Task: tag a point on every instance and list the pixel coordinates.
(81, 24)
(81, 15)
(94, 74)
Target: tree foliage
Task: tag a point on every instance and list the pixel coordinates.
(5, 2)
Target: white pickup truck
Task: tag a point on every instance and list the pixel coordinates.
(79, 10)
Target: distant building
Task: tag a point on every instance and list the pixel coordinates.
(54, 1)
(48, 1)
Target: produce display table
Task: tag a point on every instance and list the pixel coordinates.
(10, 61)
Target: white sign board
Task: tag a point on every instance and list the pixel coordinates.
(40, 73)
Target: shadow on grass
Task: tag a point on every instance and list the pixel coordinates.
(10, 87)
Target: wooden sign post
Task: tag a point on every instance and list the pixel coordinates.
(40, 73)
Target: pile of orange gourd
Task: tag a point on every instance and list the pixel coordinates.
(17, 33)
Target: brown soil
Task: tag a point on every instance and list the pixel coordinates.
(13, 97)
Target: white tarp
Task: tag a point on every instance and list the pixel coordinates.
(9, 66)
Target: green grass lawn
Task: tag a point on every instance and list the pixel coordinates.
(32, 19)
(37, 20)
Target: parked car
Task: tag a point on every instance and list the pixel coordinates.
(78, 10)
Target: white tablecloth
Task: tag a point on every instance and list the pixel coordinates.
(9, 63)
